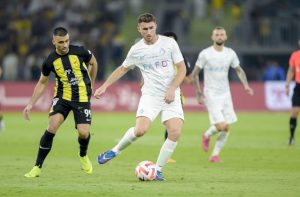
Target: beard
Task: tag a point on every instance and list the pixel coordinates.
(219, 43)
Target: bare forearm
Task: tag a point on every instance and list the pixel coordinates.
(93, 73)
(289, 76)
(115, 76)
(38, 91)
(179, 76)
(196, 83)
(242, 76)
(93, 68)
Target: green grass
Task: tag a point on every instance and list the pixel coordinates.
(258, 161)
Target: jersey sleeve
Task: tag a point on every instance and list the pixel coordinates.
(87, 54)
(292, 60)
(201, 61)
(130, 61)
(235, 60)
(176, 53)
(46, 67)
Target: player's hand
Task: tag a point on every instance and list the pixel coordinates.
(170, 96)
(201, 99)
(287, 90)
(26, 111)
(249, 90)
(98, 93)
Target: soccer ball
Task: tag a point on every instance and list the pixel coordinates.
(146, 171)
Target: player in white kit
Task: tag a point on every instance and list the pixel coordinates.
(155, 55)
(216, 61)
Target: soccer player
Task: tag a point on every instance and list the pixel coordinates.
(155, 55)
(216, 61)
(294, 71)
(75, 70)
(187, 80)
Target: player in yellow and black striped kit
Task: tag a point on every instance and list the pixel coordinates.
(75, 70)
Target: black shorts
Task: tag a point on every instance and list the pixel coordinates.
(81, 110)
(296, 96)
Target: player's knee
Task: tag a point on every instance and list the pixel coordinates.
(174, 134)
(140, 131)
(83, 134)
(222, 127)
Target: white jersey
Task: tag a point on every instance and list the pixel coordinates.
(156, 63)
(216, 65)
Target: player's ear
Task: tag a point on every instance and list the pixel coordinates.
(53, 40)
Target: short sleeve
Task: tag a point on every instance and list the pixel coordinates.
(201, 61)
(46, 67)
(292, 60)
(86, 54)
(176, 53)
(130, 60)
(235, 60)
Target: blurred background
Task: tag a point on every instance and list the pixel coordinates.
(263, 33)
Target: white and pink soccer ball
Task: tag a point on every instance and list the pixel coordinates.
(146, 171)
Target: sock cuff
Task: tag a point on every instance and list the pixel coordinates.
(48, 134)
(170, 145)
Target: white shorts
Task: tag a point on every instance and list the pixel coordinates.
(220, 110)
(150, 107)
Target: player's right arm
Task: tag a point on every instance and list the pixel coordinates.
(38, 90)
(199, 93)
(114, 76)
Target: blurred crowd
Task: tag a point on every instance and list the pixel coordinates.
(25, 39)
(28, 26)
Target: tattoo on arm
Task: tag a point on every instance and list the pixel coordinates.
(242, 76)
(196, 83)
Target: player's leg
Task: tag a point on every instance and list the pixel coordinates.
(172, 117)
(46, 144)
(147, 111)
(223, 129)
(182, 99)
(83, 140)
(293, 124)
(141, 127)
(83, 118)
(294, 113)
(58, 113)
(214, 108)
(222, 125)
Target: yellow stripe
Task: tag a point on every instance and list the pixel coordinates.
(55, 88)
(75, 63)
(86, 68)
(60, 71)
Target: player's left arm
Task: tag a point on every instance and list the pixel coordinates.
(93, 68)
(242, 76)
(181, 71)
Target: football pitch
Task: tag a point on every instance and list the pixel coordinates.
(258, 161)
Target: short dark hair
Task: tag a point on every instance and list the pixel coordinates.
(60, 31)
(170, 34)
(146, 18)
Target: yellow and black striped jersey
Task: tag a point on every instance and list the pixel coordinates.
(72, 80)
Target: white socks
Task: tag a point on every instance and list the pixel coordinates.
(212, 130)
(220, 142)
(126, 140)
(165, 153)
